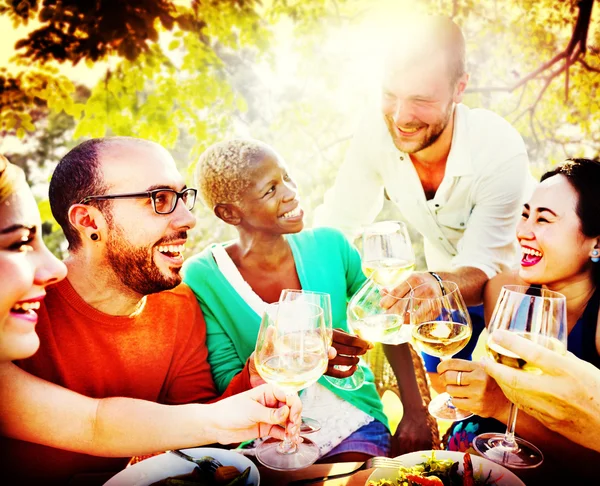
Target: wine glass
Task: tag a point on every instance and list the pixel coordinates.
(387, 253)
(441, 327)
(292, 353)
(372, 322)
(539, 315)
(352, 382)
(323, 301)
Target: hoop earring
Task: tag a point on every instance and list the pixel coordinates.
(94, 236)
(595, 256)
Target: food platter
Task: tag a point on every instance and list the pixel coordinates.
(159, 467)
(481, 467)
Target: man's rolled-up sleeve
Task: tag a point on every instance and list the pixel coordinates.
(489, 242)
(356, 197)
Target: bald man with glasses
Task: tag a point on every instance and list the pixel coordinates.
(121, 324)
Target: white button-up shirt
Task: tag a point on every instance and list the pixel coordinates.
(471, 220)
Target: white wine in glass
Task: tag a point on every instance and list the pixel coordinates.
(374, 323)
(323, 300)
(292, 353)
(441, 328)
(539, 315)
(508, 358)
(387, 253)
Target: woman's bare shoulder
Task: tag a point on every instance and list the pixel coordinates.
(510, 277)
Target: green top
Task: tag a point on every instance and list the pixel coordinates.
(325, 262)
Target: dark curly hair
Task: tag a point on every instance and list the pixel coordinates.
(584, 177)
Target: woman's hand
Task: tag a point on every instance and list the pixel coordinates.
(478, 392)
(347, 349)
(263, 411)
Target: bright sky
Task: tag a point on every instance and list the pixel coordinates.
(377, 14)
(352, 47)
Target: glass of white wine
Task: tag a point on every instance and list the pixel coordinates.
(441, 327)
(387, 260)
(322, 300)
(387, 253)
(291, 353)
(374, 323)
(539, 315)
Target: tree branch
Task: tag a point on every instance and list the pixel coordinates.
(588, 67)
(531, 108)
(574, 52)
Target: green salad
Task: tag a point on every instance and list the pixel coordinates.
(438, 472)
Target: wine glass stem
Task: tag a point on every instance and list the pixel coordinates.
(509, 435)
(449, 403)
(288, 444)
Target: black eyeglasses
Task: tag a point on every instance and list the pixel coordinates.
(164, 201)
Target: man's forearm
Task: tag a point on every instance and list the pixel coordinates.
(470, 281)
(38, 411)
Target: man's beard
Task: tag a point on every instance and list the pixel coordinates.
(135, 266)
(432, 133)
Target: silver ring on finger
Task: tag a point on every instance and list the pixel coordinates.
(459, 378)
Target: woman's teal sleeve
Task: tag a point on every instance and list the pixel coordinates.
(224, 361)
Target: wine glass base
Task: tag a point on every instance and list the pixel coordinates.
(269, 455)
(308, 426)
(350, 383)
(492, 447)
(441, 408)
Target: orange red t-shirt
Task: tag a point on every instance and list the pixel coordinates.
(157, 354)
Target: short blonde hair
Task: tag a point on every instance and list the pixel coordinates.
(11, 177)
(222, 173)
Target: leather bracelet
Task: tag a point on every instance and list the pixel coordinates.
(439, 281)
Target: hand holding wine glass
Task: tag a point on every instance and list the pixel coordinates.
(292, 353)
(388, 260)
(565, 397)
(441, 327)
(538, 315)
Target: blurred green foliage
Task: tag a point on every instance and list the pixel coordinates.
(192, 73)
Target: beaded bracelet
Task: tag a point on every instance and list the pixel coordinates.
(439, 280)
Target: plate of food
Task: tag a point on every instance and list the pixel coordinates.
(170, 470)
(444, 468)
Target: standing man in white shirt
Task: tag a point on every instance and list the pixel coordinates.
(458, 175)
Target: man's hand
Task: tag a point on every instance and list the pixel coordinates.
(403, 290)
(262, 411)
(348, 347)
(413, 433)
(255, 378)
